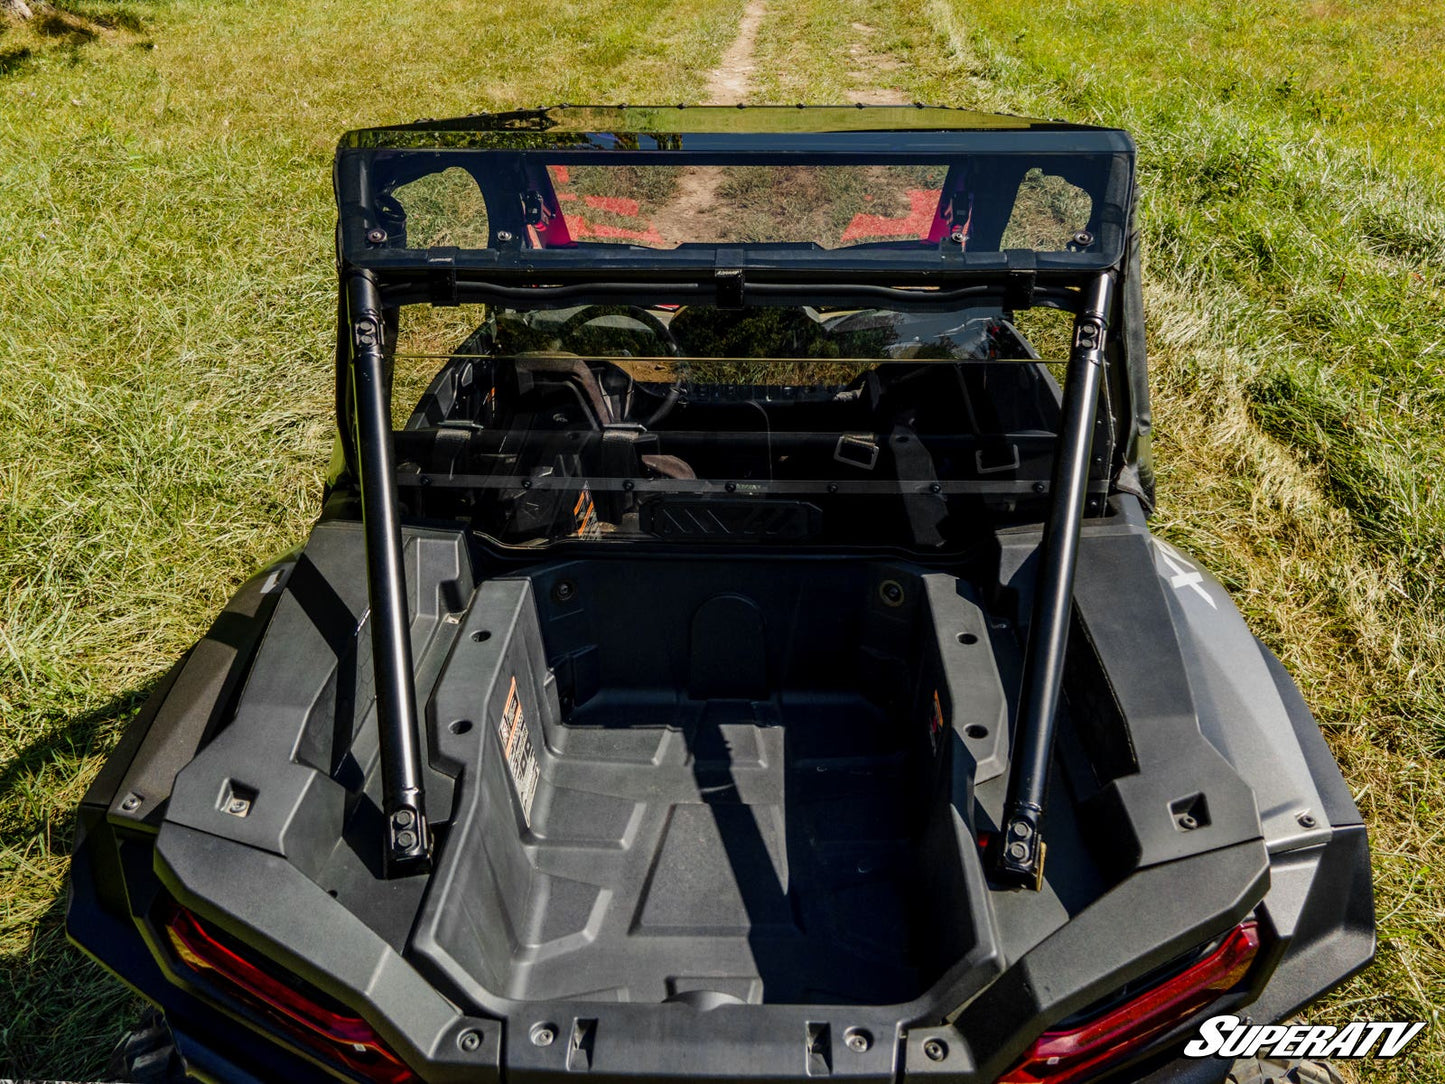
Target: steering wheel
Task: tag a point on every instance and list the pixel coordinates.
(586, 315)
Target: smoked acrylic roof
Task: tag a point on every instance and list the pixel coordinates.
(677, 127)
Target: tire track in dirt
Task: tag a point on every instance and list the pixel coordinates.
(731, 80)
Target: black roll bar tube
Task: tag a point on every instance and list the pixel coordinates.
(1019, 849)
(408, 839)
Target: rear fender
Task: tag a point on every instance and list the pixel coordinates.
(1240, 690)
(190, 704)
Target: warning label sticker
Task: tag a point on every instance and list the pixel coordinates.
(517, 750)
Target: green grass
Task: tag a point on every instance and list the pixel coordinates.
(165, 329)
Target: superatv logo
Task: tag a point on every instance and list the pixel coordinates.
(1231, 1037)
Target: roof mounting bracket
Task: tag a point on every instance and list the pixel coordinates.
(443, 278)
(730, 286)
(1021, 281)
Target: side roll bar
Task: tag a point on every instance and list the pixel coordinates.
(1019, 849)
(408, 839)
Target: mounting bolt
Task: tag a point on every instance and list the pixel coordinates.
(564, 591)
(1018, 851)
(470, 1040)
(1040, 487)
(504, 236)
(1187, 822)
(935, 1050)
(405, 840)
(238, 807)
(1083, 238)
(1020, 830)
(935, 487)
(1306, 819)
(543, 1035)
(857, 1040)
(403, 818)
(376, 235)
(891, 592)
(731, 487)
(130, 803)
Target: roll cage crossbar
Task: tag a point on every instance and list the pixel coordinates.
(1018, 851)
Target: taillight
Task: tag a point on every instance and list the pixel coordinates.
(337, 1036)
(1079, 1053)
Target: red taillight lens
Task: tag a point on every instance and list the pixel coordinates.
(1063, 1057)
(338, 1037)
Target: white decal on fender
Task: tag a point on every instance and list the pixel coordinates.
(1185, 574)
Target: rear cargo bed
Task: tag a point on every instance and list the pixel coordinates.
(787, 828)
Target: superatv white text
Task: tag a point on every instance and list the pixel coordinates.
(1230, 1037)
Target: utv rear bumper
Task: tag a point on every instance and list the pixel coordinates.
(1317, 911)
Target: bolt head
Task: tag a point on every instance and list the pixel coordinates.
(1018, 851)
(858, 1041)
(130, 804)
(1306, 820)
(935, 1050)
(543, 1035)
(405, 840)
(1187, 821)
(376, 235)
(469, 1040)
(403, 818)
(1020, 830)
(504, 236)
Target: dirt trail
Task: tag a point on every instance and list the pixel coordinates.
(727, 84)
(731, 80)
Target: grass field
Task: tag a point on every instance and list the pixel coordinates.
(166, 301)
